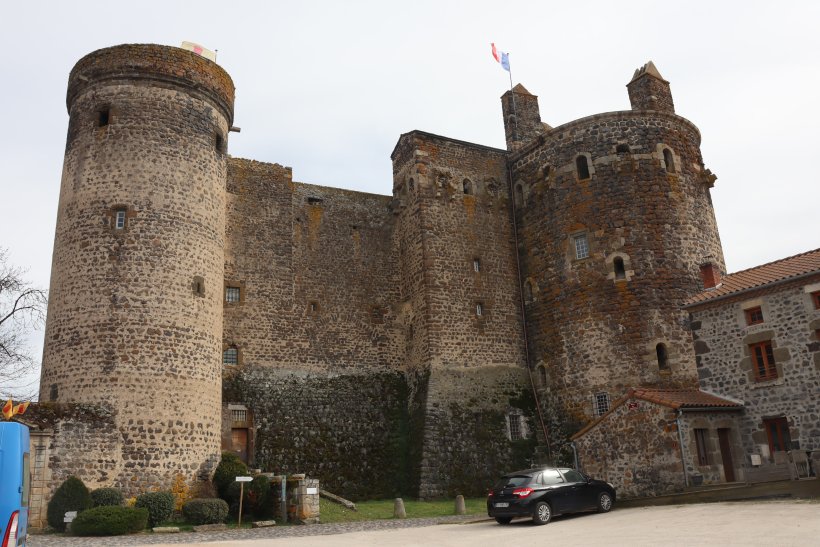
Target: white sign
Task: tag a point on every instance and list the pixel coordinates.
(244, 479)
(70, 516)
(312, 490)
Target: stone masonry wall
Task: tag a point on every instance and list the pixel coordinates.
(636, 449)
(593, 332)
(135, 313)
(724, 364)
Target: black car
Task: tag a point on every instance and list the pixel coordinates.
(545, 492)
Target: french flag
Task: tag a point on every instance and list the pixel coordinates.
(501, 57)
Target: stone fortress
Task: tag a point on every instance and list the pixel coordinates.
(417, 343)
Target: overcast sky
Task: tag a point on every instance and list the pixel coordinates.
(328, 87)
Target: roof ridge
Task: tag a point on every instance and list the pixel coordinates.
(773, 262)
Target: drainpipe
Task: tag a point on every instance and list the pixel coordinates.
(680, 441)
(574, 455)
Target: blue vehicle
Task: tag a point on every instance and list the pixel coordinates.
(15, 483)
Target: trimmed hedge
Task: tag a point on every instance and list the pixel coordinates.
(110, 521)
(72, 495)
(205, 511)
(106, 497)
(160, 506)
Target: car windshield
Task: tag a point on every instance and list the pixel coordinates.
(512, 481)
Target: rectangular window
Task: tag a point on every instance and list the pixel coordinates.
(479, 309)
(232, 294)
(754, 316)
(777, 430)
(700, 442)
(763, 361)
(119, 219)
(515, 426)
(230, 356)
(476, 265)
(815, 298)
(601, 404)
(581, 246)
(239, 416)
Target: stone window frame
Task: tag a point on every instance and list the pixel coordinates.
(529, 291)
(782, 357)
(589, 167)
(313, 308)
(237, 355)
(480, 310)
(651, 356)
(232, 284)
(220, 143)
(543, 375)
(112, 214)
(519, 431)
(103, 116)
(198, 286)
(745, 309)
(815, 299)
(660, 148)
(467, 187)
(612, 273)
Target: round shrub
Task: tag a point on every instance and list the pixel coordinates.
(106, 497)
(110, 521)
(160, 506)
(205, 511)
(230, 467)
(72, 495)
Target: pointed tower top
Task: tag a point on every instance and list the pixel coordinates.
(521, 90)
(650, 69)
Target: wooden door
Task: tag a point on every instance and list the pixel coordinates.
(239, 443)
(726, 455)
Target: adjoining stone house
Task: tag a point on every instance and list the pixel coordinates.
(755, 417)
(757, 339)
(656, 441)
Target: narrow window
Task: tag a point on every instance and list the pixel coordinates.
(542, 372)
(198, 286)
(663, 357)
(754, 316)
(103, 117)
(479, 309)
(119, 219)
(232, 294)
(519, 196)
(527, 291)
(763, 361)
(668, 160)
(622, 149)
(700, 443)
(777, 430)
(620, 271)
(468, 187)
(313, 307)
(54, 392)
(230, 356)
(515, 426)
(601, 404)
(476, 265)
(581, 246)
(582, 166)
(218, 143)
(815, 298)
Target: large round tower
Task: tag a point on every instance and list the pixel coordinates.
(135, 312)
(616, 221)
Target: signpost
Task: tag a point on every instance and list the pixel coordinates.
(241, 481)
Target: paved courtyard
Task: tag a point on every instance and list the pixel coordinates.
(781, 523)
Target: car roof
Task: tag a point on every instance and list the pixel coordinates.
(535, 470)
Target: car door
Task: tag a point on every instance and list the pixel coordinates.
(557, 490)
(579, 495)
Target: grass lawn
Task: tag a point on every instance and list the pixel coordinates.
(383, 509)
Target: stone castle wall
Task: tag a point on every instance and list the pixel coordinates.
(135, 313)
(593, 332)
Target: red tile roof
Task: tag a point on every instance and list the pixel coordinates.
(690, 399)
(683, 398)
(759, 276)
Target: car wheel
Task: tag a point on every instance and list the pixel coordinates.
(542, 513)
(503, 520)
(604, 502)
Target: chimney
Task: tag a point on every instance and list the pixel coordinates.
(710, 274)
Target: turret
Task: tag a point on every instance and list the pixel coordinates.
(135, 315)
(522, 119)
(649, 91)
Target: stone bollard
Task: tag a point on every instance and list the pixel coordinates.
(461, 509)
(398, 509)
